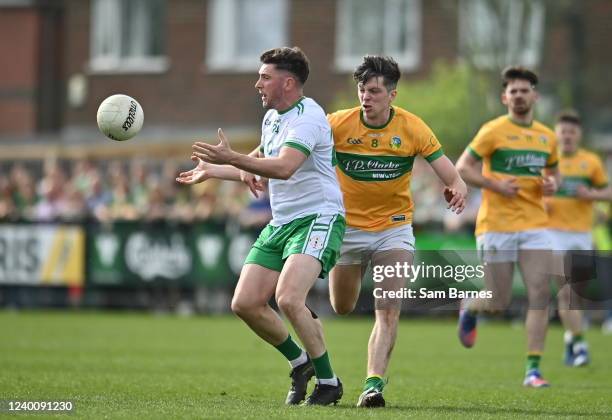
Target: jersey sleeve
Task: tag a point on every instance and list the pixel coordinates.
(303, 136)
(483, 145)
(429, 146)
(599, 178)
(553, 158)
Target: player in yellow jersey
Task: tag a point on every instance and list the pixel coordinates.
(514, 160)
(571, 221)
(376, 145)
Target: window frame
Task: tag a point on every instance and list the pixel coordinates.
(409, 60)
(221, 45)
(531, 57)
(114, 63)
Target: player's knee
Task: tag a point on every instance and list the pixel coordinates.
(237, 308)
(342, 307)
(538, 298)
(241, 307)
(289, 305)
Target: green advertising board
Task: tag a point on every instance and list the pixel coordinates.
(135, 254)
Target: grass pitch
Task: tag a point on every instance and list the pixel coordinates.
(118, 365)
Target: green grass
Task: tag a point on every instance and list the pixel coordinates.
(118, 365)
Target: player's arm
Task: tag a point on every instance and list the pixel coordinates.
(470, 169)
(456, 190)
(601, 191)
(594, 194)
(551, 180)
(281, 167)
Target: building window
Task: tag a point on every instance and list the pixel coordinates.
(240, 30)
(128, 36)
(496, 33)
(387, 27)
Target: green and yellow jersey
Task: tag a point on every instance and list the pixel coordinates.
(375, 165)
(512, 150)
(566, 211)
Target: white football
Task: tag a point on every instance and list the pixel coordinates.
(120, 117)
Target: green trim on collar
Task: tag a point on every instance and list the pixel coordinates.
(377, 127)
(291, 107)
(520, 124)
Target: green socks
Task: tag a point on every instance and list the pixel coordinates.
(290, 349)
(533, 361)
(296, 356)
(375, 381)
(322, 367)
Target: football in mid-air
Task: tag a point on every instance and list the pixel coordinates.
(120, 117)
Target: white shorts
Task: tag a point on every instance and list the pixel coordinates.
(504, 246)
(565, 240)
(359, 245)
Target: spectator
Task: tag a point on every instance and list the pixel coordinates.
(8, 210)
(206, 199)
(156, 208)
(83, 172)
(121, 206)
(98, 197)
(74, 206)
(139, 180)
(52, 194)
(25, 196)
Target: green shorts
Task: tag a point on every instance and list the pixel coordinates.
(317, 235)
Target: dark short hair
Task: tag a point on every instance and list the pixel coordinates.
(292, 60)
(518, 73)
(569, 116)
(375, 66)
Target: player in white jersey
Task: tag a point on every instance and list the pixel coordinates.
(302, 242)
(314, 186)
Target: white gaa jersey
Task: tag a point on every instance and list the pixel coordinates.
(313, 188)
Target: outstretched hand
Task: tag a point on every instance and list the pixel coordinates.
(219, 153)
(198, 174)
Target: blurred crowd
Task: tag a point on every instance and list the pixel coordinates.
(139, 189)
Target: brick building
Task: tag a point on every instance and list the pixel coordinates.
(192, 63)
